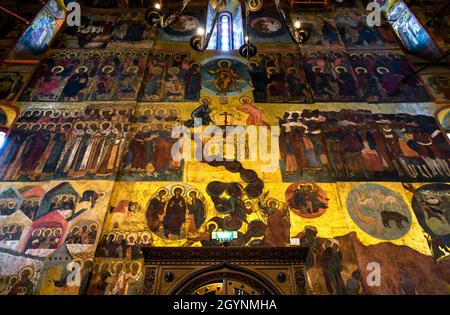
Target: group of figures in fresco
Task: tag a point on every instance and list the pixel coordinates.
(90, 143)
(171, 77)
(82, 76)
(44, 245)
(360, 145)
(315, 75)
(49, 230)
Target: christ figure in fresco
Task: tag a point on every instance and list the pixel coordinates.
(226, 78)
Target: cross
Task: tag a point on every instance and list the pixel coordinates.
(226, 115)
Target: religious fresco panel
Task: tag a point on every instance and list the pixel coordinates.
(147, 151)
(376, 211)
(439, 28)
(173, 77)
(184, 27)
(39, 35)
(11, 84)
(93, 33)
(77, 75)
(131, 31)
(411, 33)
(48, 230)
(323, 31)
(278, 77)
(48, 143)
(356, 34)
(438, 85)
(332, 77)
(386, 77)
(268, 28)
(359, 145)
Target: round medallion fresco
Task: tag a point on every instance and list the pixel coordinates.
(379, 211)
(186, 24)
(431, 204)
(306, 199)
(267, 26)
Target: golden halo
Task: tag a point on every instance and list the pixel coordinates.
(139, 266)
(339, 68)
(130, 235)
(291, 68)
(29, 268)
(277, 203)
(243, 98)
(157, 70)
(205, 98)
(183, 190)
(23, 124)
(382, 68)
(57, 69)
(173, 70)
(58, 229)
(197, 194)
(272, 70)
(77, 70)
(213, 223)
(368, 55)
(248, 204)
(358, 69)
(70, 55)
(116, 264)
(39, 125)
(107, 69)
(317, 67)
(108, 125)
(113, 234)
(165, 189)
(133, 69)
(148, 234)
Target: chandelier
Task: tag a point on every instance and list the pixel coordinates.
(157, 17)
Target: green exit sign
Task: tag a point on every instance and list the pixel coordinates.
(224, 235)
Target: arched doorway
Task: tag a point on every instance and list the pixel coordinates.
(225, 271)
(225, 279)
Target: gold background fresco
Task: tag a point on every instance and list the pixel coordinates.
(133, 194)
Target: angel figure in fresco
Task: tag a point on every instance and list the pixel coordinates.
(225, 78)
(196, 210)
(277, 232)
(255, 114)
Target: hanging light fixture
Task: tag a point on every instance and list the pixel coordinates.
(156, 17)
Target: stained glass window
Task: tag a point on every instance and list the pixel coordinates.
(225, 32)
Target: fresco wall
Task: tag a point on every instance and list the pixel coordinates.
(360, 167)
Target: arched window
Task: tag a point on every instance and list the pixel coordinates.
(2, 138)
(225, 32)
